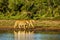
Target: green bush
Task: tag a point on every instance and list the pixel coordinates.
(39, 9)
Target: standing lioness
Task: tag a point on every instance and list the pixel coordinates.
(24, 24)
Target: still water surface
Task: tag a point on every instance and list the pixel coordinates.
(29, 35)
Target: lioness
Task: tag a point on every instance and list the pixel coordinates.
(24, 24)
(30, 23)
(20, 24)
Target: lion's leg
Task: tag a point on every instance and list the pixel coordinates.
(19, 26)
(28, 24)
(31, 24)
(15, 25)
(24, 26)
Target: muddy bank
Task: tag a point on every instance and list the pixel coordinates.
(30, 29)
(41, 25)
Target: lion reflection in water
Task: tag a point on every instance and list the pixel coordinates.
(24, 24)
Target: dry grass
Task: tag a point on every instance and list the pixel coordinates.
(49, 24)
(39, 23)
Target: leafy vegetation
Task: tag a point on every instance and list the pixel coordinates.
(30, 9)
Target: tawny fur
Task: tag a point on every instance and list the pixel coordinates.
(24, 24)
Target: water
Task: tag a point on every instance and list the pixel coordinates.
(29, 35)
